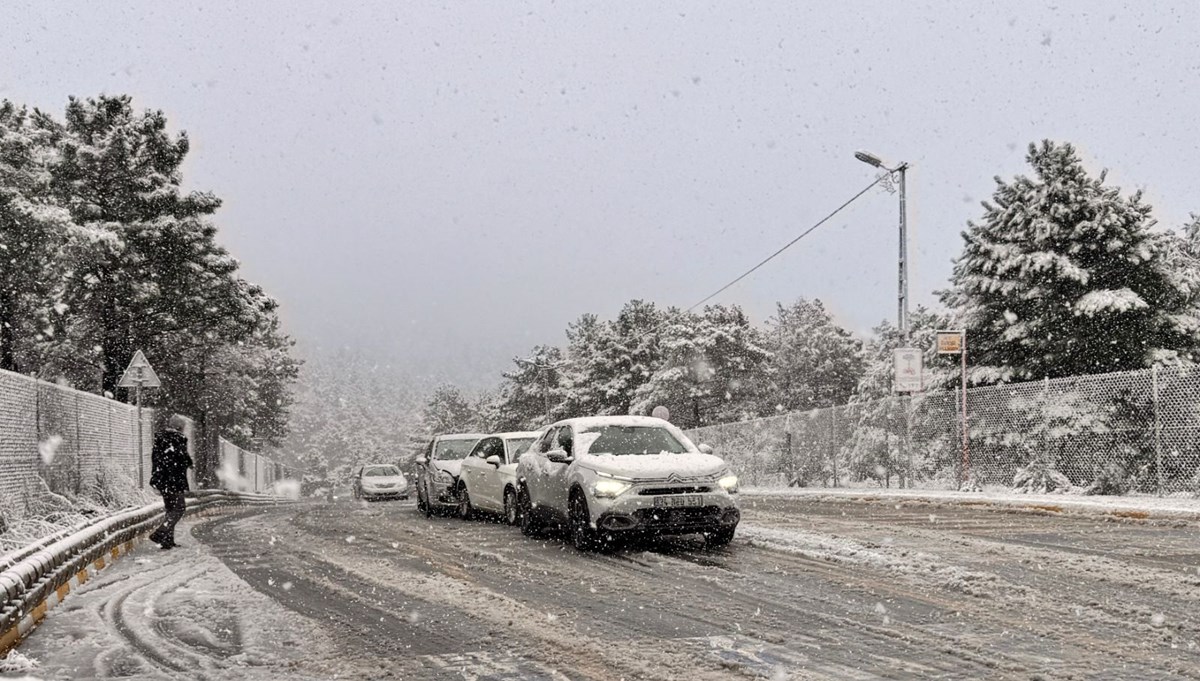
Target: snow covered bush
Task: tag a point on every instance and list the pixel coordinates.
(1111, 479)
(1041, 478)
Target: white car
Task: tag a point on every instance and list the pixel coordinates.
(379, 481)
(437, 471)
(609, 477)
(488, 481)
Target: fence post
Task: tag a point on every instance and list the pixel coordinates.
(833, 444)
(1157, 428)
(908, 409)
(78, 445)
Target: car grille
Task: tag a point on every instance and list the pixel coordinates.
(701, 517)
(658, 491)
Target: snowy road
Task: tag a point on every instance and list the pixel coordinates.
(809, 590)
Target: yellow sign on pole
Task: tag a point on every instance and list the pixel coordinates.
(949, 342)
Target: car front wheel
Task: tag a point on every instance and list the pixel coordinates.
(512, 512)
(466, 510)
(423, 502)
(531, 525)
(583, 536)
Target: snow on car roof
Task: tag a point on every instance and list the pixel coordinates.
(594, 421)
(518, 434)
(461, 436)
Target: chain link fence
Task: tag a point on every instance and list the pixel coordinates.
(58, 444)
(1136, 431)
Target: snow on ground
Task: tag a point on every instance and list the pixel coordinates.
(1173, 507)
(172, 614)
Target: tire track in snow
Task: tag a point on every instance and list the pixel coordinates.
(149, 641)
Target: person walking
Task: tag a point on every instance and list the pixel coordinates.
(169, 462)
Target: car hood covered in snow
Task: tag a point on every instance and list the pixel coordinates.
(654, 466)
(451, 466)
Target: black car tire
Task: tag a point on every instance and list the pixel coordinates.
(466, 510)
(512, 511)
(583, 536)
(719, 538)
(531, 525)
(424, 505)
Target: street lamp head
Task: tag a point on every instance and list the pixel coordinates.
(867, 157)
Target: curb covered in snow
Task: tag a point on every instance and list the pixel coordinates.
(36, 578)
(1122, 508)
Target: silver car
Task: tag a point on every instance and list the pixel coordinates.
(438, 468)
(609, 477)
(379, 481)
(489, 475)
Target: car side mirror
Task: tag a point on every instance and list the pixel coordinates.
(421, 461)
(559, 456)
(705, 449)
(494, 460)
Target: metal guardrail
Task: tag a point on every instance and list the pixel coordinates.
(30, 575)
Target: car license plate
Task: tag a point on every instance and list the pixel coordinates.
(677, 501)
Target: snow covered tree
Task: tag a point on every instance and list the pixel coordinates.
(1181, 266)
(1061, 277)
(33, 230)
(532, 386)
(448, 411)
(609, 361)
(157, 269)
(815, 362)
(713, 369)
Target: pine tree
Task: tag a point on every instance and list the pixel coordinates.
(713, 368)
(156, 269)
(815, 363)
(1061, 277)
(531, 389)
(609, 361)
(33, 231)
(447, 411)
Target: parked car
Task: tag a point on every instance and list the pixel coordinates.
(606, 478)
(379, 481)
(437, 469)
(488, 481)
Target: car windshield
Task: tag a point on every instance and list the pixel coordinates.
(518, 446)
(629, 440)
(380, 471)
(451, 450)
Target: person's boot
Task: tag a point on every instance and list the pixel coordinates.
(157, 537)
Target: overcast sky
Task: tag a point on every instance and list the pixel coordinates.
(447, 184)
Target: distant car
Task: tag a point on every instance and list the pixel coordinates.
(379, 481)
(488, 481)
(610, 477)
(437, 469)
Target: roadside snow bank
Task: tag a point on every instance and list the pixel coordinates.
(1139, 508)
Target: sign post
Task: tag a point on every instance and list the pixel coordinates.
(908, 368)
(139, 374)
(955, 343)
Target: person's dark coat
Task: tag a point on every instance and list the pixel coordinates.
(169, 462)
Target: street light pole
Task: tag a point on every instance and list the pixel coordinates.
(903, 311)
(902, 294)
(902, 290)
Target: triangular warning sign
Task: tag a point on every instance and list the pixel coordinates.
(139, 373)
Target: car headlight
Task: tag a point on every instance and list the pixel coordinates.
(609, 488)
(444, 476)
(729, 483)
